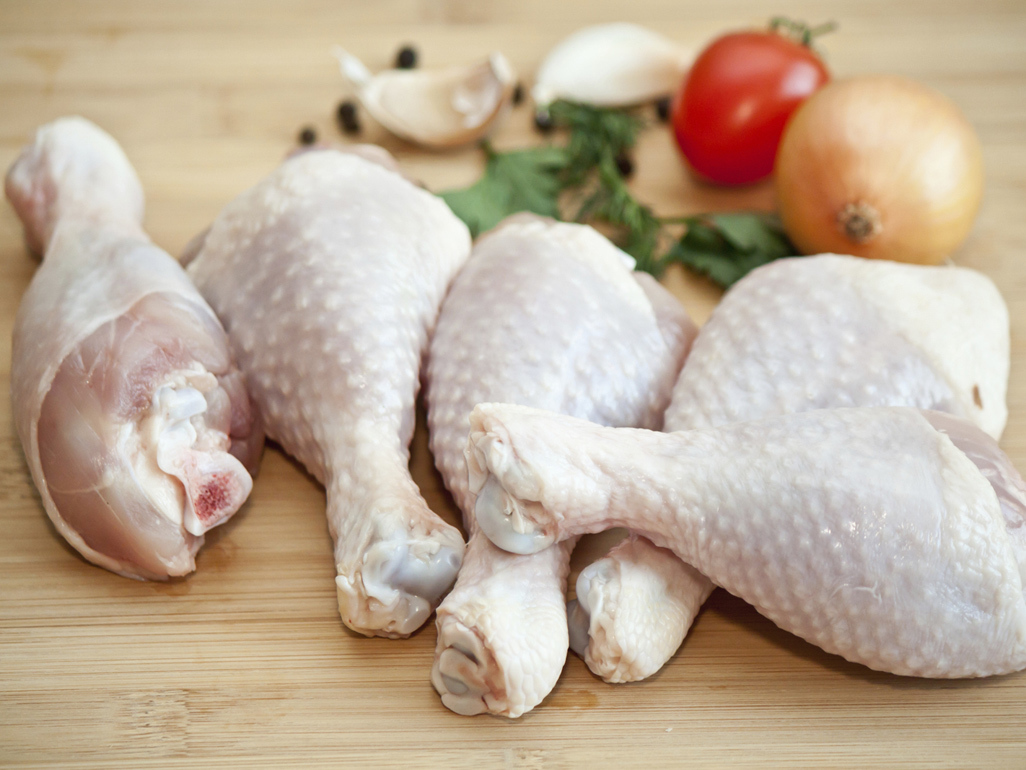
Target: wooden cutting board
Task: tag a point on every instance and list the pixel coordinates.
(246, 661)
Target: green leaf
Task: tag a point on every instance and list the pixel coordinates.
(522, 180)
(596, 134)
(754, 232)
(726, 247)
(597, 137)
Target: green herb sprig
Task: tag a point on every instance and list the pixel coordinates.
(597, 137)
(726, 247)
(583, 177)
(521, 180)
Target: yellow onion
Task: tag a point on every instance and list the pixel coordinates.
(880, 167)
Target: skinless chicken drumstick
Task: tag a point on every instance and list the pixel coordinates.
(545, 314)
(795, 335)
(126, 399)
(328, 276)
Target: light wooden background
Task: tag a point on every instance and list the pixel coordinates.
(247, 661)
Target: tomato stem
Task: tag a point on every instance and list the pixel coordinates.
(799, 30)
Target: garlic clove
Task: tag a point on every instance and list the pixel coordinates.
(612, 65)
(435, 108)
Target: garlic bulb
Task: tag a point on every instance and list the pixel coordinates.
(435, 108)
(880, 167)
(612, 65)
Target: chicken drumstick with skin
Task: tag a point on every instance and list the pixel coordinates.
(126, 399)
(569, 328)
(795, 335)
(328, 276)
(893, 537)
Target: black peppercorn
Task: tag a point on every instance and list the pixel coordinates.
(663, 108)
(406, 59)
(543, 122)
(348, 120)
(307, 136)
(624, 165)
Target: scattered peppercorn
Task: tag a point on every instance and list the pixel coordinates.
(518, 93)
(624, 165)
(307, 136)
(348, 118)
(543, 121)
(406, 59)
(663, 108)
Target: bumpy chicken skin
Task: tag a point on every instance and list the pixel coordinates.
(799, 334)
(328, 276)
(887, 535)
(545, 314)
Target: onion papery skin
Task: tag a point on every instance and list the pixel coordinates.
(880, 167)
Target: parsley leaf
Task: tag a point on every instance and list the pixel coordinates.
(612, 202)
(522, 180)
(597, 135)
(726, 247)
(586, 174)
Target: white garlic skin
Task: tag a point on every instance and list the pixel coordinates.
(435, 108)
(612, 65)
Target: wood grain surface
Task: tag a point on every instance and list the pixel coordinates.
(246, 662)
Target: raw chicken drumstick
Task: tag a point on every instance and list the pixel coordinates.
(798, 334)
(550, 315)
(328, 276)
(893, 537)
(125, 396)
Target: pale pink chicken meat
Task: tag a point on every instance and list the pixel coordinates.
(544, 314)
(799, 334)
(131, 413)
(893, 537)
(328, 276)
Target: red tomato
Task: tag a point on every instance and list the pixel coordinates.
(732, 108)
